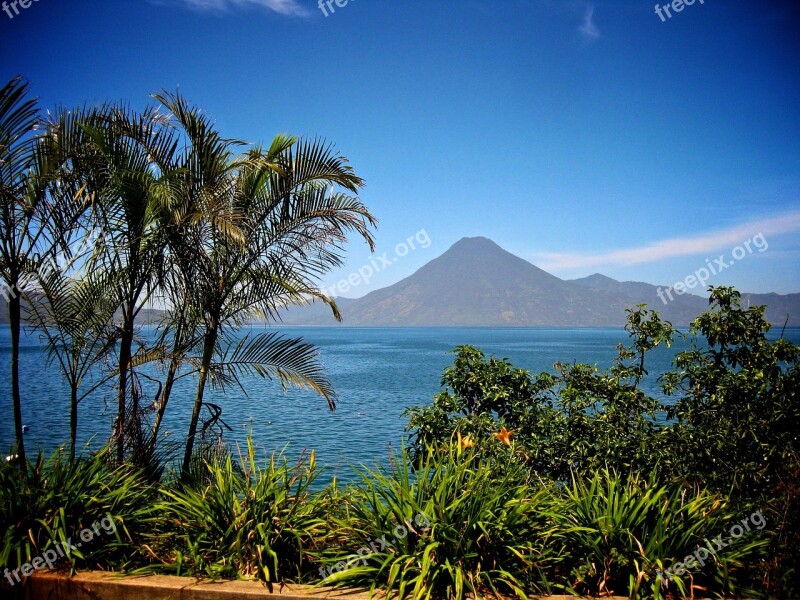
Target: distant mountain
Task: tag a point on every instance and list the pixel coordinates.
(317, 313)
(477, 283)
(147, 316)
(781, 308)
(682, 309)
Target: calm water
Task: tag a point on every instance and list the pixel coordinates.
(377, 373)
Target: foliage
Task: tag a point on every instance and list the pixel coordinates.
(291, 223)
(730, 427)
(580, 419)
(75, 316)
(619, 532)
(35, 223)
(737, 418)
(183, 220)
(455, 527)
(740, 398)
(59, 498)
(240, 520)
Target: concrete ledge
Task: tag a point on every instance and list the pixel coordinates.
(99, 585)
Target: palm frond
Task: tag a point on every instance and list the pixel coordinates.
(270, 355)
(18, 117)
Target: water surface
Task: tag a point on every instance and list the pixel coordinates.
(376, 372)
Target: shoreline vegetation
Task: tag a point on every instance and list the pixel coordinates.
(511, 484)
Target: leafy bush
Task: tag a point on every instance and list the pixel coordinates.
(578, 420)
(620, 533)
(58, 498)
(248, 521)
(737, 417)
(740, 397)
(457, 526)
(729, 427)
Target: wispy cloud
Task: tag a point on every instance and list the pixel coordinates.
(283, 7)
(588, 29)
(689, 246)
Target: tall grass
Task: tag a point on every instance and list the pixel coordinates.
(456, 526)
(620, 530)
(240, 520)
(58, 498)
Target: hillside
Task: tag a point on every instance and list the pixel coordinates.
(477, 283)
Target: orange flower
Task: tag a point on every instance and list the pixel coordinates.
(504, 435)
(465, 442)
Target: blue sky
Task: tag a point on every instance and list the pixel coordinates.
(583, 137)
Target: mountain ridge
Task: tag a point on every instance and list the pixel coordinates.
(478, 283)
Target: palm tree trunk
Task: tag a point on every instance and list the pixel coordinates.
(73, 422)
(162, 406)
(170, 381)
(209, 343)
(15, 320)
(126, 343)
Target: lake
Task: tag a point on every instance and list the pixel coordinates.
(377, 373)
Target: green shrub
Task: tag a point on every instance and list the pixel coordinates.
(624, 536)
(58, 498)
(730, 425)
(455, 526)
(247, 521)
(739, 402)
(737, 414)
(580, 419)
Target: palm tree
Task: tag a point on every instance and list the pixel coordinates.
(224, 263)
(37, 216)
(178, 338)
(130, 174)
(150, 176)
(76, 317)
(199, 194)
(286, 228)
(223, 238)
